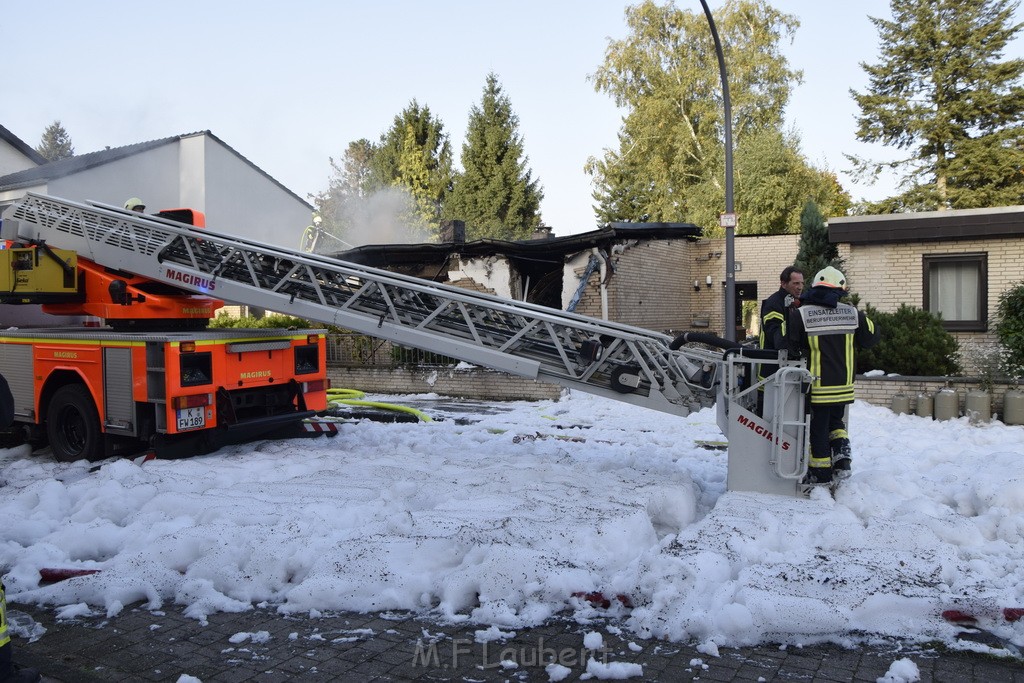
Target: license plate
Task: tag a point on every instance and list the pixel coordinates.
(191, 418)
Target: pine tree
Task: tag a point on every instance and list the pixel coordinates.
(414, 176)
(942, 92)
(495, 194)
(815, 252)
(415, 127)
(342, 207)
(55, 143)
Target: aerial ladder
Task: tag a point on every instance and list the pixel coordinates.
(626, 363)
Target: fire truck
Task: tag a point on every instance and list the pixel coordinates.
(156, 376)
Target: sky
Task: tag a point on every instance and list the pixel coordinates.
(498, 517)
(289, 85)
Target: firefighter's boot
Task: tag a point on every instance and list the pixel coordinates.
(842, 456)
(819, 476)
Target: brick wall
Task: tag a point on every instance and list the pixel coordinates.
(483, 384)
(887, 275)
(653, 282)
(758, 258)
(650, 286)
(477, 383)
(881, 390)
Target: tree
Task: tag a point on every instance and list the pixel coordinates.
(942, 93)
(414, 175)
(815, 252)
(342, 206)
(55, 143)
(670, 162)
(495, 194)
(415, 136)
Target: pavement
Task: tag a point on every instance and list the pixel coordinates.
(261, 645)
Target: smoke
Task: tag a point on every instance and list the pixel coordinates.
(387, 216)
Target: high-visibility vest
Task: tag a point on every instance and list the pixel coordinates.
(5, 637)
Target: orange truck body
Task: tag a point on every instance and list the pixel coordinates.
(156, 379)
(178, 393)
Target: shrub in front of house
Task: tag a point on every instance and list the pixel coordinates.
(1010, 328)
(913, 343)
(274, 320)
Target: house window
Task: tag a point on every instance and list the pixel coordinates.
(956, 287)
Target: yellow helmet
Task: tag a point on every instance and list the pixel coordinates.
(135, 204)
(829, 277)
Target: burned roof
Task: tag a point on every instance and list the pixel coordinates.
(553, 249)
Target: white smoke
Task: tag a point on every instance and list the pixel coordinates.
(387, 216)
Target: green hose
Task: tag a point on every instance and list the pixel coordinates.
(345, 393)
(389, 406)
(349, 396)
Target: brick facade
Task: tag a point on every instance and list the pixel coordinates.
(887, 275)
(476, 383)
(758, 259)
(650, 285)
(483, 384)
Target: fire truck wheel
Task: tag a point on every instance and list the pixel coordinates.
(73, 425)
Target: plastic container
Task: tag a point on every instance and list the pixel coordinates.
(978, 406)
(900, 404)
(1013, 407)
(924, 404)
(947, 404)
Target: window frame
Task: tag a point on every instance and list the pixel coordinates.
(979, 259)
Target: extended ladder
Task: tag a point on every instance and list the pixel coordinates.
(626, 363)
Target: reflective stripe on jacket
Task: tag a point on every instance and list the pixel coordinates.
(829, 338)
(5, 637)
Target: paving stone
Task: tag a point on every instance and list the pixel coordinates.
(407, 648)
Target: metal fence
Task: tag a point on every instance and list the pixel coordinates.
(348, 349)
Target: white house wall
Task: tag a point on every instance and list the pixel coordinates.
(151, 175)
(491, 272)
(12, 161)
(242, 201)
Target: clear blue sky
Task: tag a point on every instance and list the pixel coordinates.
(290, 84)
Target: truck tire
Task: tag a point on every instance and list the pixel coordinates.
(6, 404)
(73, 425)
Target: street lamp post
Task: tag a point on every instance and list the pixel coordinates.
(728, 219)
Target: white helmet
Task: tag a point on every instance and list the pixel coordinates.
(829, 277)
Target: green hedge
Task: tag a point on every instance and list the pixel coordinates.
(913, 343)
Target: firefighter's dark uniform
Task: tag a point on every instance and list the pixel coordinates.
(828, 333)
(774, 310)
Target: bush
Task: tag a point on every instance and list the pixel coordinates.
(1010, 328)
(913, 343)
(273, 320)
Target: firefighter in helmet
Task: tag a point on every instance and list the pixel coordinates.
(827, 333)
(135, 204)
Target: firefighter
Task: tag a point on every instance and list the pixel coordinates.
(9, 673)
(135, 204)
(827, 333)
(774, 310)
